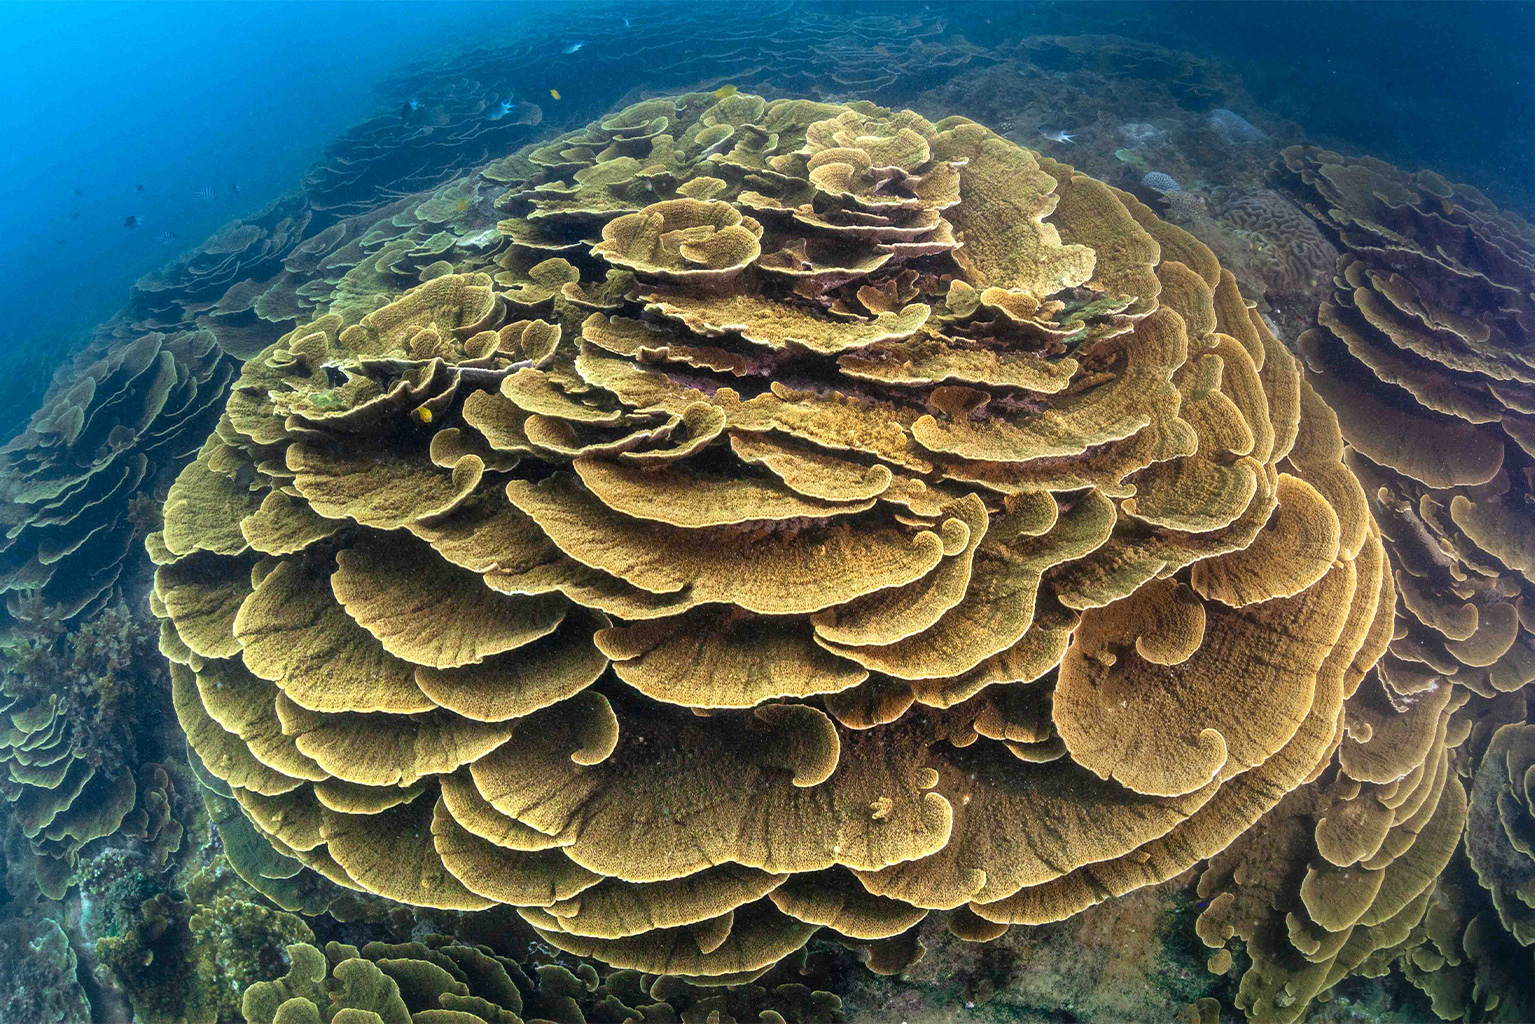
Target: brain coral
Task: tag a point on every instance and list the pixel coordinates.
(813, 517)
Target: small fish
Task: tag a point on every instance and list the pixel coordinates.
(724, 91)
(409, 107)
(139, 187)
(461, 205)
(206, 192)
(58, 241)
(500, 111)
(130, 221)
(423, 415)
(1056, 136)
(555, 93)
(626, 23)
(79, 192)
(574, 47)
(166, 237)
(234, 187)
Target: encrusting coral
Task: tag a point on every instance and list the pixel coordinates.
(813, 517)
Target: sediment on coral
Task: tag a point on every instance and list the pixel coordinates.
(811, 517)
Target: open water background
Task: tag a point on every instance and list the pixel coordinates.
(105, 97)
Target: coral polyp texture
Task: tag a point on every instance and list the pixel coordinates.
(812, 517)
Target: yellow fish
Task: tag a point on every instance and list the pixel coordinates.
(462, 205)
(724, 91)
(423, 415)
(555, 93)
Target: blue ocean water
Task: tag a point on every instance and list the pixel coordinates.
(117, 110)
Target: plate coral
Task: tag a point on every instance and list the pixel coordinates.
(811, 517)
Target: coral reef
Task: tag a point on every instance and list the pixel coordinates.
(72, 704)
(206, 279)
(1131, 106)
(66, 481)
(739, 557)
(456, 112)
(441, 980)
(387, 205)
(717, 440)
(38, 981)
(1425, 352)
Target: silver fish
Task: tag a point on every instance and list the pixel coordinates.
(1056, 136)
(573, 47)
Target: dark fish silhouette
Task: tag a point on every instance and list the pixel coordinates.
(138, 188)
(130, 221)
(79, 192)
(234, 186)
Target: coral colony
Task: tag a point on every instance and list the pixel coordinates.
(681, 562)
